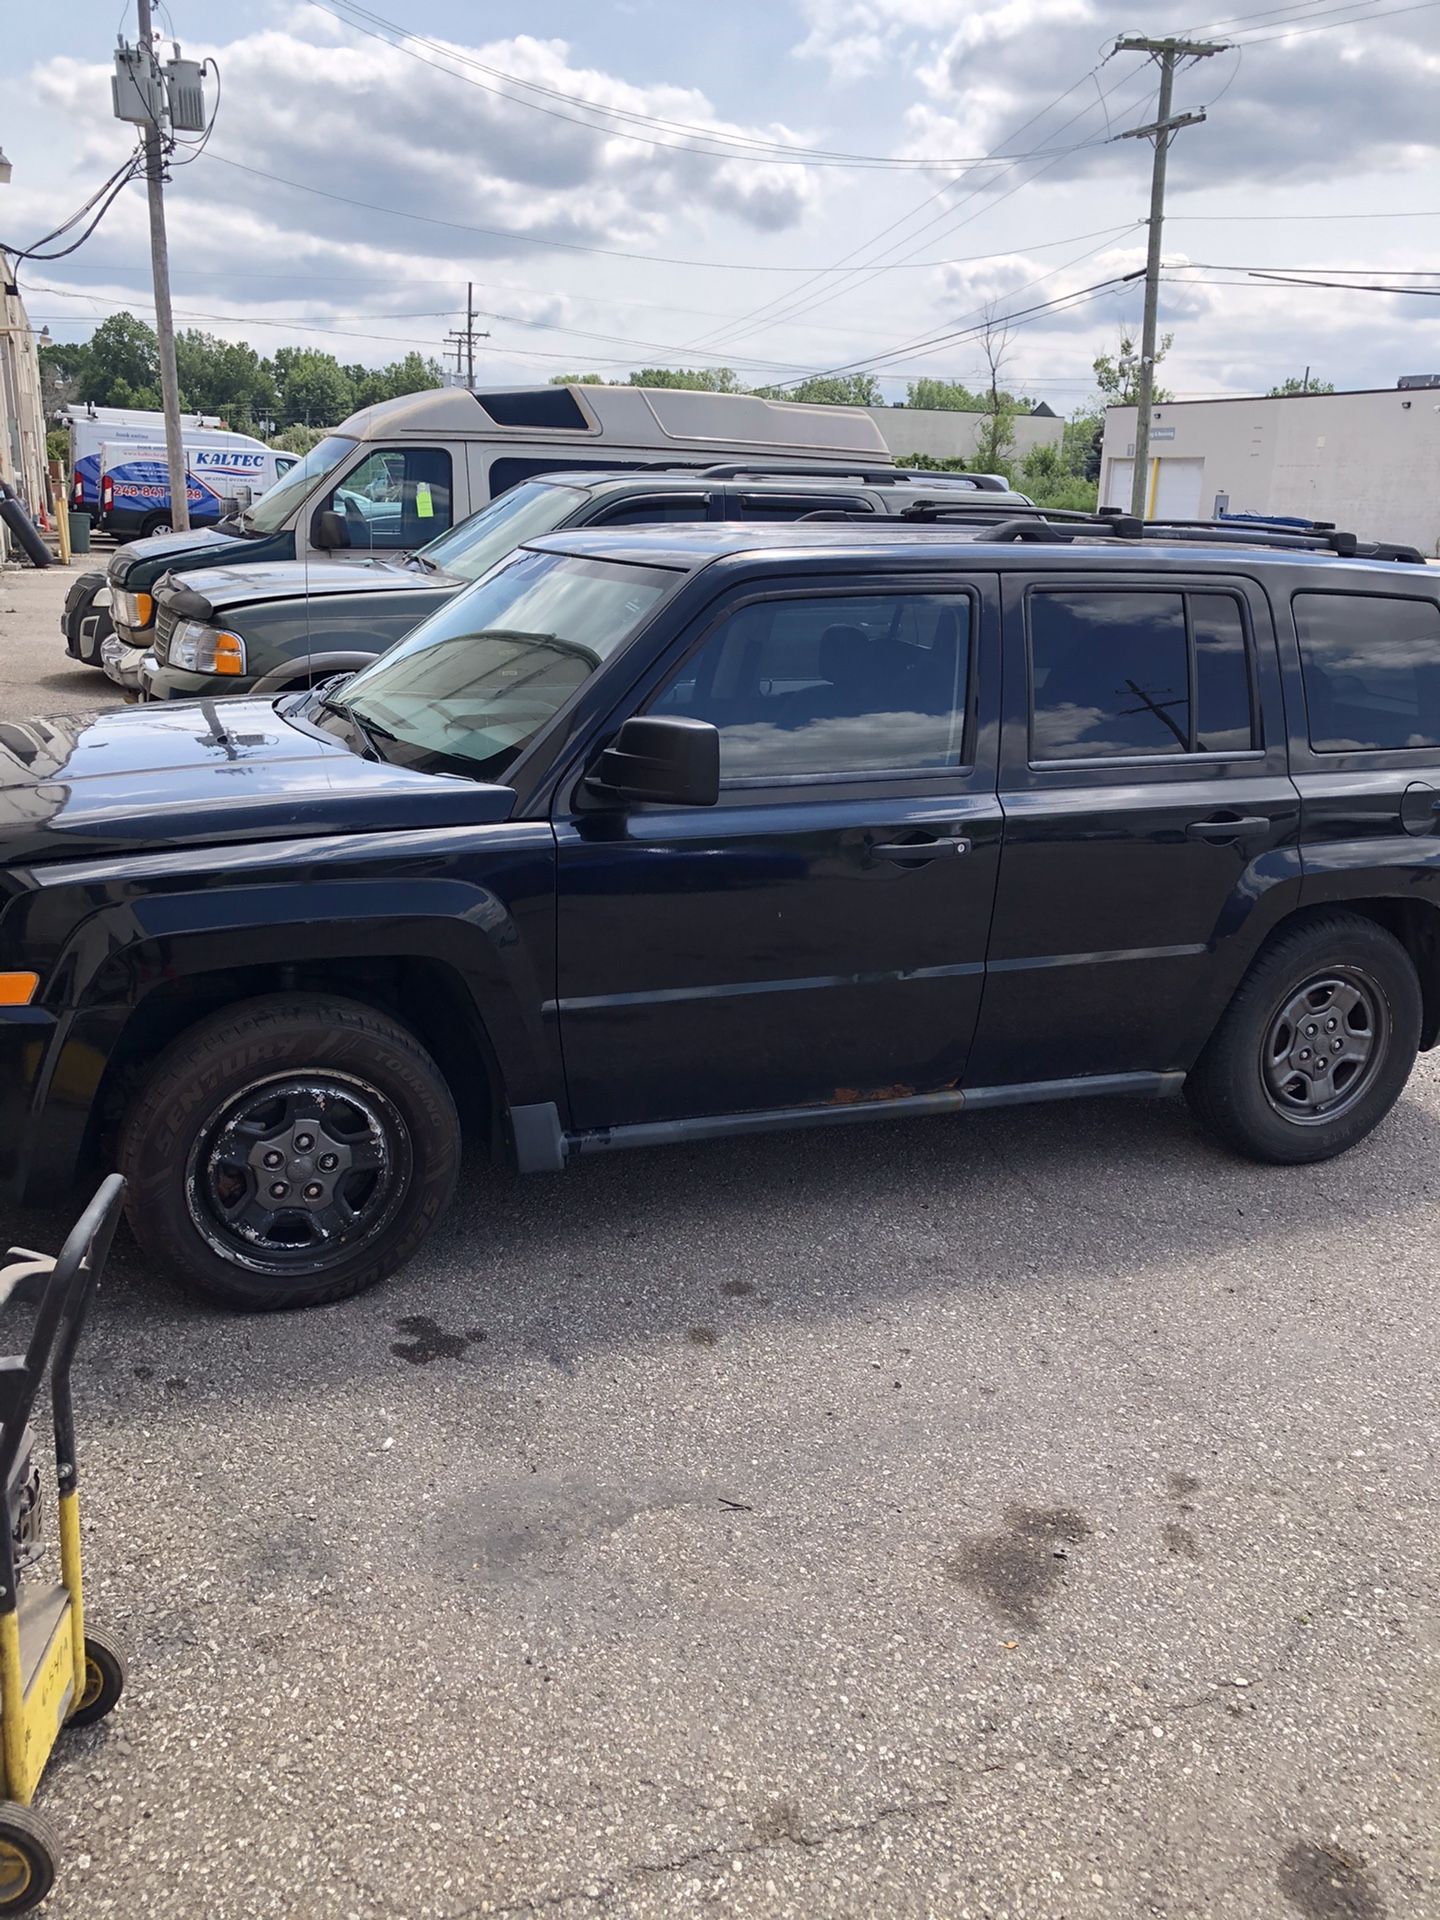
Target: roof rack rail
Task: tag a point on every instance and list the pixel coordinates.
(979, 511)
(840, 470)
(1007, 521)
(1279, 530)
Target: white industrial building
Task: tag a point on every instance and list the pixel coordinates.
(1369, 462)
(942, 434)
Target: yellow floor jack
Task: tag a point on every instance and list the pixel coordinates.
(55, 1671)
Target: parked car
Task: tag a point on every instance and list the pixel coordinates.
(657, 835)
(272, 628)
(430, 459)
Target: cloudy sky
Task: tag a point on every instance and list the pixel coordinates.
(783, 186)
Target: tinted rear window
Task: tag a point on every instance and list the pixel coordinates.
(1371, 664)
(1111, 674)
(551, 409)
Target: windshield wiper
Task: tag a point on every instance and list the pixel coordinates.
(368, 732)
(422, 560)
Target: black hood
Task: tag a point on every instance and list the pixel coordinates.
(207, 773)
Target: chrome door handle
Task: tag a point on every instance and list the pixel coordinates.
(952, 844)
(1240, 827)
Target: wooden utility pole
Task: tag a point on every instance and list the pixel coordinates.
(160, 272)
(461, 340)
(1162, 130)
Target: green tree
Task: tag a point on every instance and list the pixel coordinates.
(995, 445)
(701, 379)
(141, 399)
(1308, 385)
(413, 374)
(314, 388)
(1046, 475)
(226, 378)
(123, 354)
(934, 462)
(944, 396)
(831, 390)
(1084, 433)
(62, 369)
(1118, 375)
(578, 380)
(297, 439)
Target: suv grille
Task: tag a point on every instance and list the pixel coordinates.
(165, 625)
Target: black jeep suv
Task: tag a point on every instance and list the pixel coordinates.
(664, 834)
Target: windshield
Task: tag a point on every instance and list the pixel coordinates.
(522, 514)
(476, 681)
(272, 511)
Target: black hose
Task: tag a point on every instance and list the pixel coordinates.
(23, 528)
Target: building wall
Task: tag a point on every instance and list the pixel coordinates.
(937, 434)
(22, 414)
(1368, 461)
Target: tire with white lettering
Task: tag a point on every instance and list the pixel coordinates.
(289, 1151)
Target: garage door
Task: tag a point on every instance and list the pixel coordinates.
(1117, 484)
(1177, 490)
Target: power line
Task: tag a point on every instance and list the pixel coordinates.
(784, 308)
(1023, 316)
(1387, 13)
(1257, 274)
(719, 145)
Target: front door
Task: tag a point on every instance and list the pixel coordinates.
(1151, 827)
(818, 938)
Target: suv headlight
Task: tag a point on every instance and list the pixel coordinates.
(134, 609)
(202, 649)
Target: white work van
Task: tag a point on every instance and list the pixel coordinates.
(397, 474)
(224, 475)
(91, 428)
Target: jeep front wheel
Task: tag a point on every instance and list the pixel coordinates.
(1317, 1044)
(290, 1151)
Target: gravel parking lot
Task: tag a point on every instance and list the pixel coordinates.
(1029, 1514)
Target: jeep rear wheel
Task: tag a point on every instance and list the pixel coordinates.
(291, 1151)
(1317, 1044)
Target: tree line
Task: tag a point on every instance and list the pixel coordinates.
(278, 397)
(1066, 475)
(291, 396)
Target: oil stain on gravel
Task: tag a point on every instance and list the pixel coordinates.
(1176, 1537)
(1327, 1883)
(1017, 1570)
(427, 1340)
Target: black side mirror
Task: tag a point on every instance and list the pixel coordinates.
(328, 529)
(675, 761)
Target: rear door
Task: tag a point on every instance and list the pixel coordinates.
(1151, 827)
(1364, 697)
(818, 937)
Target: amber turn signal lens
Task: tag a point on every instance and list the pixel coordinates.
(18, 989)
(144, 609)
(229, 653)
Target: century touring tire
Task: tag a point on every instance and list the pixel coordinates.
(291, 1151)
(1317, 1044)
